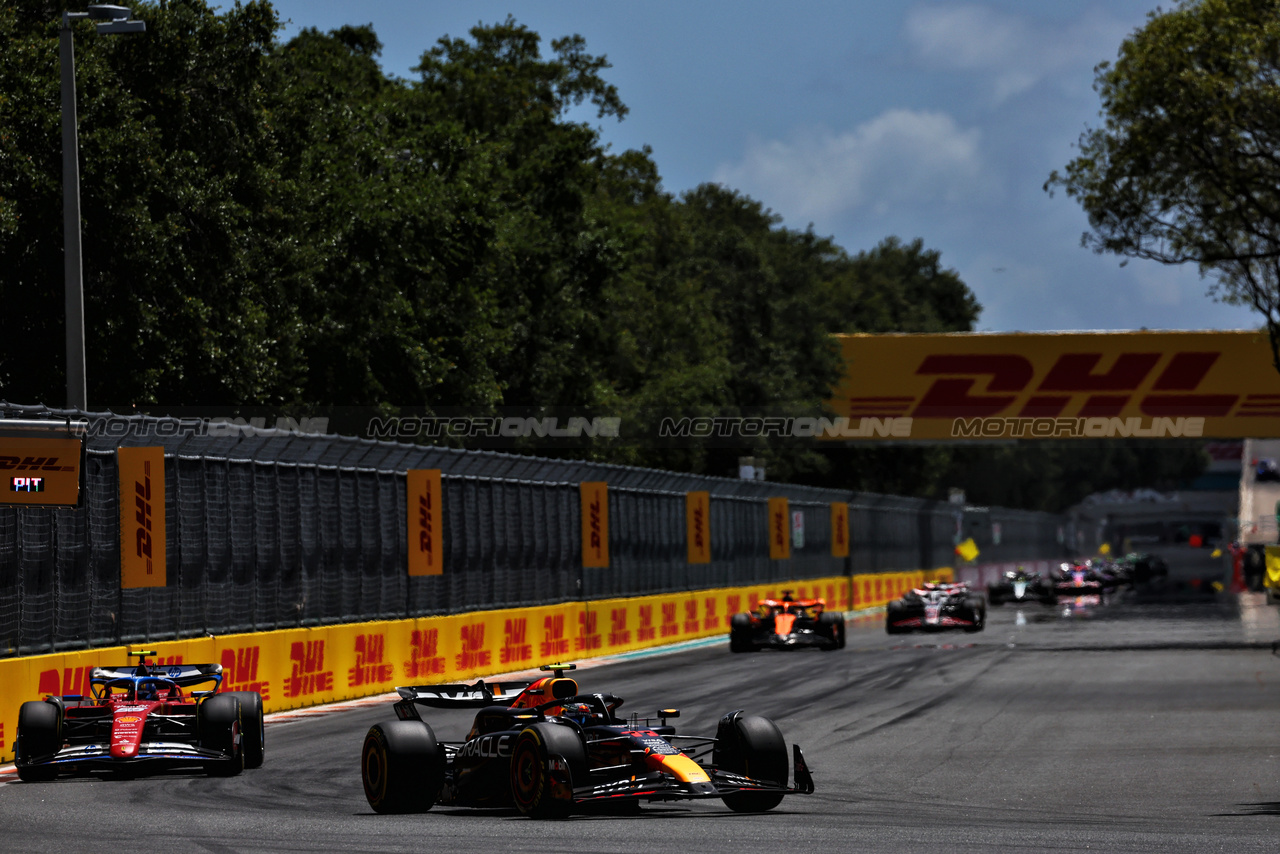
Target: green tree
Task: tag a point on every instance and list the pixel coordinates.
(1185, 168)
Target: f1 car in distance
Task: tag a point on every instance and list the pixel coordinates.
(142, 716)
(1021, 585)
(935, 607)
(787, 623)
(548, 750)
(1080, 579)
(1142, 567)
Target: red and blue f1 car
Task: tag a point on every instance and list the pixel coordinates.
(142, 716)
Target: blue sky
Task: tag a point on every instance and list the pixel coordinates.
(871, 118)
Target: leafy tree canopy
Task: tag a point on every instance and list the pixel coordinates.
(1186, 167)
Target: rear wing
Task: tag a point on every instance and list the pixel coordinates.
(459, 696)
(179, 674)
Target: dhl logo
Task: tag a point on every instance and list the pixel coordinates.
(710, 619)
(71, 681)
(426, 539)
(473, 654)
(554, 641)
(307, 675)
(691, 616)
(670, 627)
(142, 515)
(619, 634)
(32, 464)
(514, 646)
(588, 634)
(370, 668)
(646, 630)
(1007, 380)
(424, 658)
(240, 671)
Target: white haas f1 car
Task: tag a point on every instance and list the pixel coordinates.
(935, 607)
(142, 716)
(548, 750)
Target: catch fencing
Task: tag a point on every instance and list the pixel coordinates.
(272, 529)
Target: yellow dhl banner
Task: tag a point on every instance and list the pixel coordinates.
(839, 529)
(293, 668)
(39, 471)
(697, 510)
(779, 529)
(142, 534)
(1070, 385)
(426, 522)
(595, 524)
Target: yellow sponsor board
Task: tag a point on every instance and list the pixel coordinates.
(142, 534)
(839, 529)
(1070, 385)
(595, 524)
(293, 668)
(39, 471)
(426, 522)
(697, 511)
(779, 529)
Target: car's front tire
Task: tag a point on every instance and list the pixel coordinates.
(546, 760)
(39, 735)
(753, 746)
(253, 735)
(219, 727)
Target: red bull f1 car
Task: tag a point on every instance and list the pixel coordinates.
(787, 623)
(142, 716)
(935, 607)
(547, 749)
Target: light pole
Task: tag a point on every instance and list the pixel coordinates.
(117, 21)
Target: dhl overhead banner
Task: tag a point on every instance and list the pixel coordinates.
(1071, 385)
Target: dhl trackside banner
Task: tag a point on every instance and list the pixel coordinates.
(39, 471)
(293, 668)
(965, 386)
(426, 522)
(594, 497)
(142, 534)
(697, 511)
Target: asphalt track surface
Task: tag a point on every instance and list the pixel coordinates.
(1150, 724)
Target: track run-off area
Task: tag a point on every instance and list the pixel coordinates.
(1151, 723)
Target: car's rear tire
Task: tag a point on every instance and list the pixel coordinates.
(892, 613)
(740, 634)
(753, 746)
(220, 727)
(39, 735)
(831, 626)
(546, 760)
(253, 735)
(402, 767)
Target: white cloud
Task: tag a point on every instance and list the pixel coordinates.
(1014, 53)
(900, 157)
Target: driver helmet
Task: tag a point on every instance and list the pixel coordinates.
(580, 713)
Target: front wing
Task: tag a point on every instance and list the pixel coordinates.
(660, 787)
(89, 756)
